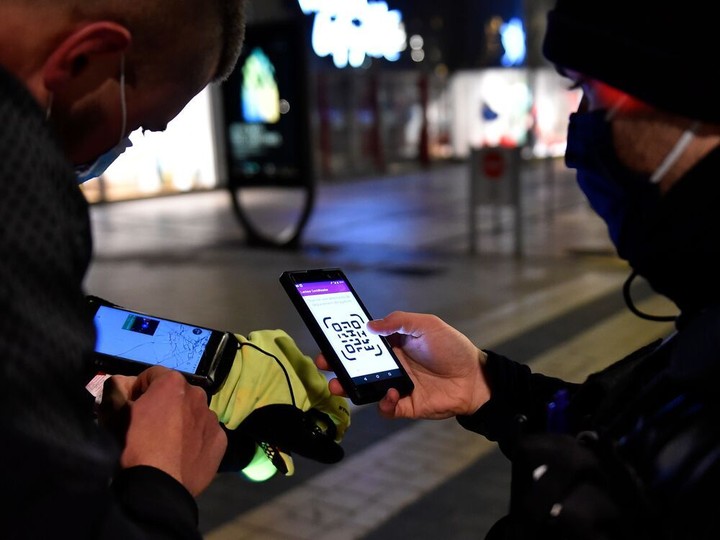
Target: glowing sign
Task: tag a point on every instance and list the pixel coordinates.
(260, 94)
(350, 30)
(512, 36)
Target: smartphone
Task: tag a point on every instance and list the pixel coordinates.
(129, 342)
(364, 363)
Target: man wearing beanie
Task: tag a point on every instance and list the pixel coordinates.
(634, 451)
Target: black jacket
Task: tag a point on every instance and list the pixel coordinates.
(636, 451)
(58, 469)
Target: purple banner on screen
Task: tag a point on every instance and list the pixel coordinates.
(322, 287)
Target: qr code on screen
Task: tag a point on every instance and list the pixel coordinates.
(353, 336)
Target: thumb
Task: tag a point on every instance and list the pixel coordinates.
(397, 322)
(143, 381)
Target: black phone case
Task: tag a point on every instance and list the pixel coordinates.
(359, 394)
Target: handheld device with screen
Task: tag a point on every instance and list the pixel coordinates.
(129, 342)
(364, 363)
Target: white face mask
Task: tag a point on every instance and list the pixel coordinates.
(94, 169)
(676, 152)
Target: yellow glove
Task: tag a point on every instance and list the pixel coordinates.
(274, 397)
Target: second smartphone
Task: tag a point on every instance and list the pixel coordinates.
(129, 342)
(364, 363)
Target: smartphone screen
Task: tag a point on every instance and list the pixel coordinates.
(129, 342)
(363, 362)
(150, 340)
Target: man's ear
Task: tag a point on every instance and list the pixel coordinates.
(77, 50)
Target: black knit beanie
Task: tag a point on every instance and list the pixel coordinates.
(662, 52)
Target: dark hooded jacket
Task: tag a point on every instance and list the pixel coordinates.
(634, 451)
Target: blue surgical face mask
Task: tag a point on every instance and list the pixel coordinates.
(620, 196)
(94, 169)
(609, 186)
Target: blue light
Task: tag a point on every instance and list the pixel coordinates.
(512, 35)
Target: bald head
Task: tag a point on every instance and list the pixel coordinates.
(78, 51)
(169, 34)
(208, 32)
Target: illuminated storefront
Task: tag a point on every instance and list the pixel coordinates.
(386, 91)
(511, 108)
(180, 159)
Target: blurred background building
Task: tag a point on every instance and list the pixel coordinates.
(328, 90)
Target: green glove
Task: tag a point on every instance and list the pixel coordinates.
(275, 397)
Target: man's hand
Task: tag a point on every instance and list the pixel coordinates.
(443, 363)
(167, 424)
